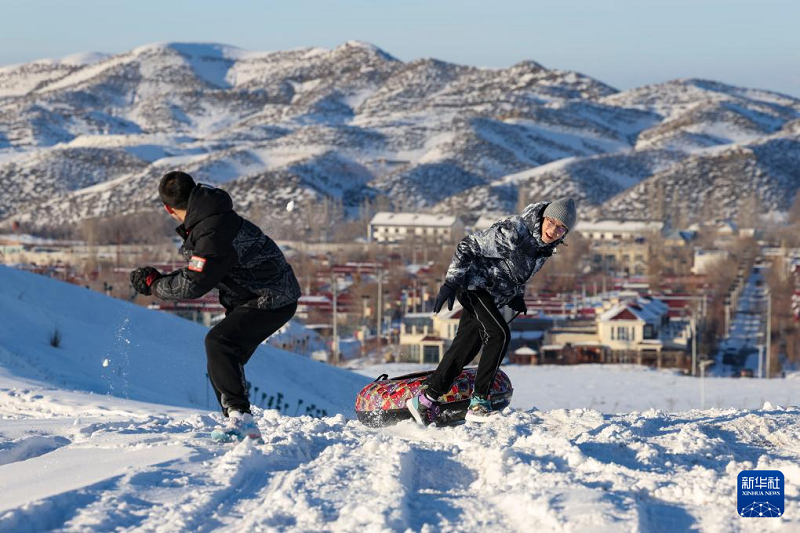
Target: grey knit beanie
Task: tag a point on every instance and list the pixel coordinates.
(563, 210)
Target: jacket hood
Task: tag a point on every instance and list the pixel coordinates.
(206, 201)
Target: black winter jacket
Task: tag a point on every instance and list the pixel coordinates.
(502, 258)
(230, 253)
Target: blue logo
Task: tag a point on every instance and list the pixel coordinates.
(760, 493)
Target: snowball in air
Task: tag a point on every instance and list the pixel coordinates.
(290, 206)
(106, 362)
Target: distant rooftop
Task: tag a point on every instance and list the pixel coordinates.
(619, 225)
(413, 219)
(486, 221)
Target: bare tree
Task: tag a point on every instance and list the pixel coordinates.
(794, 210)
(522, 198)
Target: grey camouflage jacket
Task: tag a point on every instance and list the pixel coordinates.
(502, 258)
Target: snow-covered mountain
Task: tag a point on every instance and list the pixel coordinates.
(91, 135)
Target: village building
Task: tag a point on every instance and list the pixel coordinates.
(388, 227)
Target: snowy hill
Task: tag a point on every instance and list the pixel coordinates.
(90, 135)
(111, 347)
(125, 447)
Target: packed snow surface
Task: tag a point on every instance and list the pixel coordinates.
(109, 464)
(78, 454)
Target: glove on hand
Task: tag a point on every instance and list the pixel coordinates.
(446, 294)
(142, 279)
(517, 303)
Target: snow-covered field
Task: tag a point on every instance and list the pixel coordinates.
(75, 458)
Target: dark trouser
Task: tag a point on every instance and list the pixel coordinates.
(481, 325)
(229, 346)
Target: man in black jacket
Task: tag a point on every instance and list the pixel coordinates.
(488, 271)
(256, 286)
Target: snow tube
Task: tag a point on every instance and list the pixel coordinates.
(383, 402)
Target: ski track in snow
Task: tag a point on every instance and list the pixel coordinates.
(562, 470)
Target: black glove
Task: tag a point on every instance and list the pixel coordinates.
(517, 303)
(142, 279)
(446, 294)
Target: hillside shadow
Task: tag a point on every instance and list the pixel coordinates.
(724, 443)
(436, 488)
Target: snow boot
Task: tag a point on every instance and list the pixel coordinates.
(238, 427)
(424, 409)
(480, 410)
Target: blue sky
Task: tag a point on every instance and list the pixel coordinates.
(624, 43)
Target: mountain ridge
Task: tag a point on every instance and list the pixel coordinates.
(428, 134)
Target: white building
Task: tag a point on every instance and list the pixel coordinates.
(399, 227)
(625, 330)
(424, 337)
(705, 259)
(633, 325)
(617, 230)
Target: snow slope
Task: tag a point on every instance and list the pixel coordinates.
(151, 356)
(75, 458)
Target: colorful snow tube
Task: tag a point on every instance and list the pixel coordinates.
(383, 402)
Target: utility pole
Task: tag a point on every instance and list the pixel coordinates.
(380, 308)
(335, 341)
(415, 305)
(727, 316)
(769, 327)
(703, 365)
(694, 345)
(760, 360)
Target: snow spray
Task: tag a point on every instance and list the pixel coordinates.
(117, 363)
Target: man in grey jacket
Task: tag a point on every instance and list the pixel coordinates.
(489, 270)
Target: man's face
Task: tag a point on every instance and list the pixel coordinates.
(552, 230)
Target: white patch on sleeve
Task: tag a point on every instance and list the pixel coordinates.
(197, 263)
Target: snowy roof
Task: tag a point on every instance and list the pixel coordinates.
(24, 238)
(642, 310)
(726, 226)
(625, 226)
(486, 221)
(412, 219)
(308, 298)
(681, 235)
(622, 312)
(713, 253)
(659, 306)
(525, 350)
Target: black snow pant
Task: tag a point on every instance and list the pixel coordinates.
(229, 346)
(481, 325)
